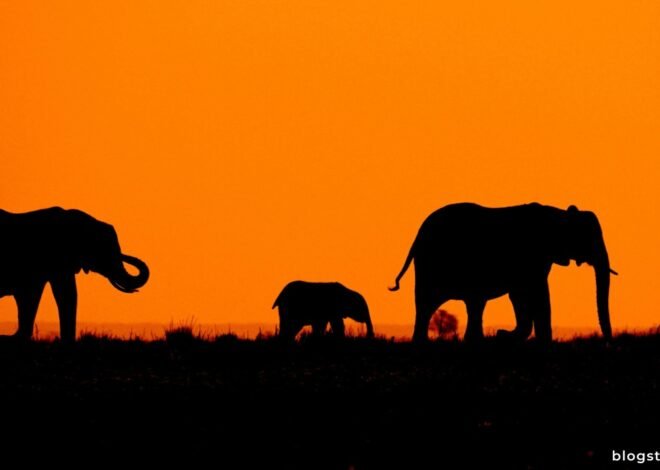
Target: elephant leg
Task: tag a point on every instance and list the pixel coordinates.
(520, 299)
(427, 301)
(475, 312)
(289, 331)
(319, 327)
(337, 325)
(540, 306)
(66, 297)
(288, 328)
(27, 301)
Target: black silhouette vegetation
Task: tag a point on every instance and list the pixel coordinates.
(472, 253)
(52, 246)
(364, 403)
(444, 324)
(304, 303)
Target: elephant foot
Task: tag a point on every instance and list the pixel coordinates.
(15, 341)
(286, 339)
(10, 339)
(504, 334)
(20, 337)
(510, 336)
(474, 338)
(543, 340)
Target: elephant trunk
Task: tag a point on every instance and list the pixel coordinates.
(126, 282)
(362, 314)
(370, 328)
(603, 270)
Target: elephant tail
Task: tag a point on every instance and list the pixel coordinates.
(406, 265)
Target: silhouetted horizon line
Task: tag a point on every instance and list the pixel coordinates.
(148, 330)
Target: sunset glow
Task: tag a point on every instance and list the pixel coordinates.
(238, 145)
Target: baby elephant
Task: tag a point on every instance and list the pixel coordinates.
(317, 304)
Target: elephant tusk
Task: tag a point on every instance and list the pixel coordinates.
(614, 272)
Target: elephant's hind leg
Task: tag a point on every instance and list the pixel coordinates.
(475, 313)
(540, 306)
(66, 297)
(427, 301)
(27, 301)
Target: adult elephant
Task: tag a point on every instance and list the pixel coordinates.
(303, 303)
(52, 246)
(472, 253)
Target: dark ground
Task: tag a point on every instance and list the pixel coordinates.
(356, 404)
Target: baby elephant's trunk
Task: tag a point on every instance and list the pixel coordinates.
(370, 328)
(364, 315)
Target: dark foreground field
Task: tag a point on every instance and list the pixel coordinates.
(357, 404)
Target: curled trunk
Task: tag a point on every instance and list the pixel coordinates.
(126, 282)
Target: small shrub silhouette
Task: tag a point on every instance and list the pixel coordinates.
(227, 338)
(444, 324)
(181, 336)
(95, 336)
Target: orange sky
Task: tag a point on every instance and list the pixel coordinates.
(237, 145)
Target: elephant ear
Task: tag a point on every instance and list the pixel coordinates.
(79, 236)
(563, 237)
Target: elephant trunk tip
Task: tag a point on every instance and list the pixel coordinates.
(129, 283)
(606, 329)
(394, 288)
(603, 272)
(370, 329)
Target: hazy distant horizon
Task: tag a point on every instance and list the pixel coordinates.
(248, 330)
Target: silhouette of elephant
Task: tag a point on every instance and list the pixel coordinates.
(52, 246)
(318, 303)
(472, 253)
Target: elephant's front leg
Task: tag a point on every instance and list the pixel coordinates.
(66, 297)
(319, 327)
(541, 312)
(289, 328)
(531, 304)
(27, 301)
(337, 325)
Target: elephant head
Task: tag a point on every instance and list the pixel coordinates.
(581, 239)
(358, 310)
(97, 249)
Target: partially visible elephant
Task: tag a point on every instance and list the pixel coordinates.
(52, 246)
(472, 253)
(318, 303)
